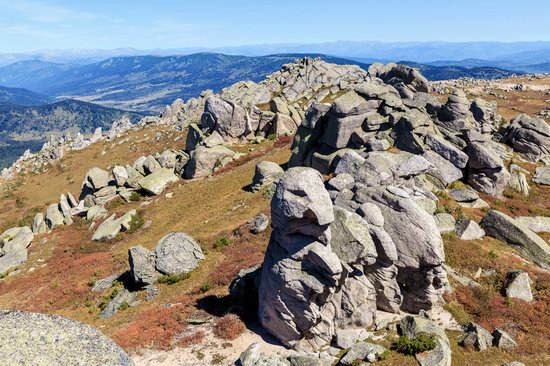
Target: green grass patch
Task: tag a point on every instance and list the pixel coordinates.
(411, 346)
(171, 279)
(221, 243)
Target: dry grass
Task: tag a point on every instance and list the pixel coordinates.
(206, 209)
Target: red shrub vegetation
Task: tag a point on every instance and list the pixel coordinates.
(230, 327)
(155, 327)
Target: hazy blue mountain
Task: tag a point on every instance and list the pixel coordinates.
(454, 72)
(21, 96)
(33, 75)
(415, 51)
(150, 82)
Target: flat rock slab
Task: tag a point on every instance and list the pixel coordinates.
(510, 231)
(40, 339)
(156, 182)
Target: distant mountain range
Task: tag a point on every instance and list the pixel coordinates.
(512, 55)
(149, 83)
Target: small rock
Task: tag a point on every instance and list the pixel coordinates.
(476, 337)
(259, 223)
(518, 286)
(445, 223)
(501, 339)
(469, 230)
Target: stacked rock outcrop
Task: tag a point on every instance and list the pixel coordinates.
(332, 262)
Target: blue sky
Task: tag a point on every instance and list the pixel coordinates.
(52, 24)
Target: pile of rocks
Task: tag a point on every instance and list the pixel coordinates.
(247, 111)
(175, 254)
(332, 262)
(477, 338)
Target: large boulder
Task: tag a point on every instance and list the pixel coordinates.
(225, 117)
(529, 136)
(205, 160)
(177, 253)
(486, 170)
(97, 178)
(156, 182)
(510, 231)
(40, 339)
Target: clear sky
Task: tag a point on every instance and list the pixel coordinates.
(52, 24)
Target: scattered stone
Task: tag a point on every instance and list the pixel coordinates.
(469, 230)
(105, 283)
(518, 286)
(39, 224)
(112, 226)
(156, 182)
(362, 351)
(123, 298)
(97, 178)
(542, 175)
(412, 326)
(121, 175)
(151, 292)
(445, 223)
(54, 217)
(259, 223)
(501, 339)
(476, 337)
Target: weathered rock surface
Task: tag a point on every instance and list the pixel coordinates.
(542, 175)
(266, 173)
(476, 337)
(502, 339)
(112, 226)
(156, 182)
(539, 224)
(508, 230)
(205, 160)
(124, 298)
(13, 247)
(40, 339)
(177, 253)
(518, 286)
(469, 230)
(529, 136)
(143, 265)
